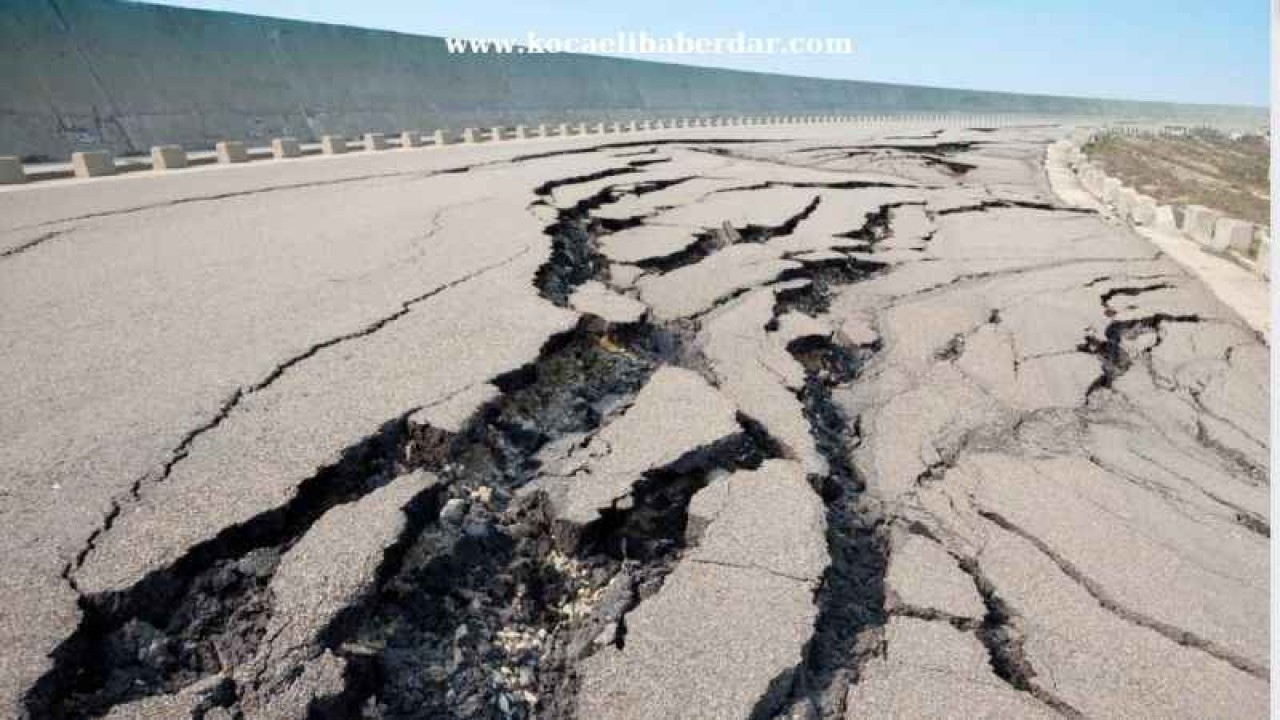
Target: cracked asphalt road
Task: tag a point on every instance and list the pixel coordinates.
(800, 422)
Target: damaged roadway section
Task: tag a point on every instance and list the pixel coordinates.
(811, 423)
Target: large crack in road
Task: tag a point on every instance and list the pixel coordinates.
(783, 457)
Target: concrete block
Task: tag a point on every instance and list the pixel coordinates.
(93, 163)
(599, 129)
(521, 132)
(564, 130)
(333, 144)
(615, 127)
(410, 139)
(1143, 211)
(633, 126)
(1126, 199)
(375, 141)
(1234, 235)
(168, 157)
(282, 148)
(544, 131)
(1198, 223)
(11, 172)
(1165, 219)
(440, 138)
(469, 135)
(231, 151)
(1110, 189)
(582, 128)
(495, 134)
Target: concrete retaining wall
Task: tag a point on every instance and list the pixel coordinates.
(82, 74)
(1242, 242)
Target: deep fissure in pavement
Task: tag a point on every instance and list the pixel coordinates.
(851, 600)
(208, 610)
(486, 603)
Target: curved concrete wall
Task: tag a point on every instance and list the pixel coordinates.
(84, 74)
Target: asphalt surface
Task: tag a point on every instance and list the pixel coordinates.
(825, 424)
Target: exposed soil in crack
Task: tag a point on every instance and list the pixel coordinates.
(1116, 359)
(208, 610)
(708, 242)
(470, 623)
(851, 602)
(998, 204)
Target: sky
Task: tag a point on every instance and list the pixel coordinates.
(1207, 51)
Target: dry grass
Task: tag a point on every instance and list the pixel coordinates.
(1207, 168)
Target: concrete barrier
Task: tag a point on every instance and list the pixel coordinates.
(1143, 211)
(1165, 219)
(440, 138)
(333, 145)
(168, 157)
(282, 148)
(11, 172)
(469, 135)
(93, 163)
(582, 128)
(410, 139)
(1198, 223)
(495, 134)
(375, 141)
(1110, 190)
(521, 132)
(230, 152)
(1126, 200)
(121, 76)
(1234, 235)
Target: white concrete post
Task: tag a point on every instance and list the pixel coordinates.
(495, 134)
(521, 132)
(410, 139)
(1144, 211)
(1198, 223)
(1234, 235)
(375, 141)
(564, 129)
(286, 147)
(333, 144)
(93, 163)
(168, 157)
(469, 135)
(231, 151)
(11, 172)
(1165, 219)
(543, 130)
(440, 137)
